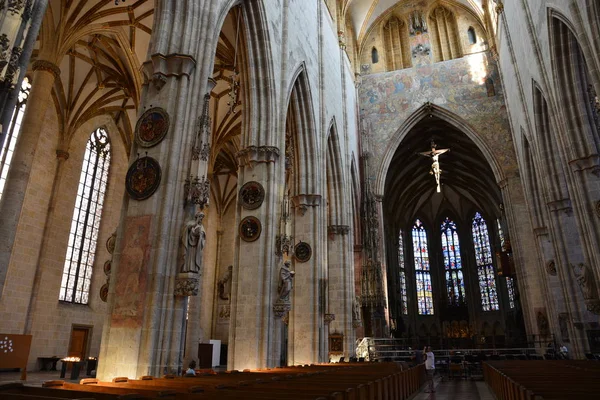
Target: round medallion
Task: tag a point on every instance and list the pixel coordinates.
(104, 292)
(110, 243)
(252, 195)
(302, 252)
(107, 267)
(143, 178)
(152, 127)
(250, 229)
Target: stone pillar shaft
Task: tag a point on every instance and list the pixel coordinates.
(18, 175)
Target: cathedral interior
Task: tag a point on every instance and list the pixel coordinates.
(287, 178)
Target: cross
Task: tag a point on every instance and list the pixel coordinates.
(435, 166)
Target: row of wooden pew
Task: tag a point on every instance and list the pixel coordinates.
(359, 381)
(538, 380)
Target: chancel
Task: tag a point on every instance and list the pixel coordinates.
(259, 184)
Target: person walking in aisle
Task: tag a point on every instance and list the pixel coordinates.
(430, 368)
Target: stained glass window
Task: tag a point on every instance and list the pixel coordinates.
(453, 264)
(485, 269)
(422, 269)
(402, 274)
(510, 285)
(77, 273)
(12, 133)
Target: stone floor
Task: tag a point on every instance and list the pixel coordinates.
(457, 390)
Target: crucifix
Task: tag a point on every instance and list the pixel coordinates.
(435, 165)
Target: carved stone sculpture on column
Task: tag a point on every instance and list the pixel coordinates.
(283, 304)
(224, 284)
(286, 284)
(587, 284)
(193, 239)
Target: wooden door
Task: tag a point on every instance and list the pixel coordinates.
(79, 341)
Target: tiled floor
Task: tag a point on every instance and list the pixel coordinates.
(457, 390)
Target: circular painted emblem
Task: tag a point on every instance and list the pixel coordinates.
(143, 178)
(152, 127)
(104, 292)
(107, 267)
(250, 229)
(110, 243)
(302, 252)
(252, 195)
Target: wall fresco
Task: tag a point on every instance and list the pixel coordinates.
(132, 276)
(459, 85)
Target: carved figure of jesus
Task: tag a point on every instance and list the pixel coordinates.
(286, 277)
(434, 154)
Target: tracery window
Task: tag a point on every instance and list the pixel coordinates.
(12, 133)
(510, 285)
(77, 273)
(402, 274)
(453, 264)
(485, 269)
(422, 269)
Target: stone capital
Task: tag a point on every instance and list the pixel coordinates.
(160, 67)
(252, 155)
(303, 201)
(338, 229)
(44, 65)
(590, 163)
(561, 205)
(540, 231)
(62, 154)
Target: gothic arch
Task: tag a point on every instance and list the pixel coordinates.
(574, 80)
(335, 178)
(447, 116)
(300, 121)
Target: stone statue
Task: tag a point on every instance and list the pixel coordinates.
(193, 239)
(434, 154)
(224, 284)
(286, 277)
(355, 311)
(585, 279)
(542, 323)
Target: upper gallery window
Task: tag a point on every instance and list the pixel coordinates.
(485, 269)
(422, 269)
(85, 224)
(12, 133)
(453, 264)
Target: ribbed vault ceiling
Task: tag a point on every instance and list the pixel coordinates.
(467, 178)
(363, 13)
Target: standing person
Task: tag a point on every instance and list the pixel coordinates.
(430, 368)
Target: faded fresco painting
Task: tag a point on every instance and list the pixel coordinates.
(131, 282)
(468, 87)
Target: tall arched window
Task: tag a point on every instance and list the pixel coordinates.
(453, 264)
(422, 269)
(485, 269)
(510, 284)
(12, 133)
(374, 55)
(77, 273)
(402, 274)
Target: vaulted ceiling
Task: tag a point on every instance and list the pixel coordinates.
(364, 13)
(99, 47)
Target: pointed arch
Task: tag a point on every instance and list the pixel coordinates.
(574, 82)
(533, 184)
(421, 113)
(300, 123)
(335, 178)
(545, 137)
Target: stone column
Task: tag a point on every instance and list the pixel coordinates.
(306, 316)
(254, 284)
(45, 73)
(341, 284)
